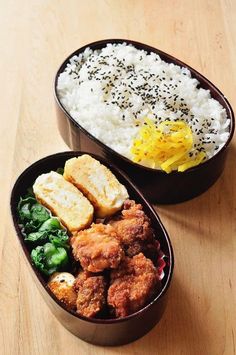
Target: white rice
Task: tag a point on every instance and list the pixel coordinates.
(108, 91)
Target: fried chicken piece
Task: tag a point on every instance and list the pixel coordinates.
(61, 284)
(149, 249)
(97, 248)
(134, 230)
(133, 284)
(91, 292)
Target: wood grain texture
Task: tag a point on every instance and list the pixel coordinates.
(35, 37)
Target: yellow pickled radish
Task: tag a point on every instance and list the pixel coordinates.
(165, 147)
(191, 163)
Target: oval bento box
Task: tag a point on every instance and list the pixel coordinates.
(156, 185)
(97, 331)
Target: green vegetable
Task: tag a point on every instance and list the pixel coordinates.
(30, 226)
(31, 214)
(49, 258)
(50, 224)
(39, 259)
(24, 208)
(57, 237)
(37, 237)
(60, 171)
(39, 213)
(44, 232)
(55, 257)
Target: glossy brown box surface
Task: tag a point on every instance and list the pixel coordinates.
(97, 331)
(157, 185)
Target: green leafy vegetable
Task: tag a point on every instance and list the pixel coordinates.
(60, 171)
(30, 211)
(30, 226)
(50, 224)
(39, 213)
(24, 208)
(55, 257)
(25, 212)
(39, 259)
(57, 237)
(44, 232)
(37, 237)
(49, 258)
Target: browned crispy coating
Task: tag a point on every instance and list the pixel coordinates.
(149, 249)
(134, 230)
(64, 292)
(91, 293)
(133, 284)
(97, 248)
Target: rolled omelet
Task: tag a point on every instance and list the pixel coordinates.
(64, 200)
(97, 183)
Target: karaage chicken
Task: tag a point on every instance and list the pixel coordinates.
(97, 248)
(91, 293)
(132, 285)
(134, 230)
